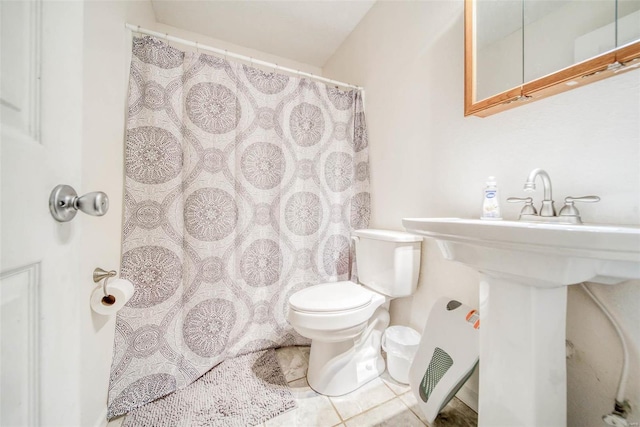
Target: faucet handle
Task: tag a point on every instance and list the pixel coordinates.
(588, 199)
(569, 208)
(528, 208)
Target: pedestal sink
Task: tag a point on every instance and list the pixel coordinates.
(524, 272)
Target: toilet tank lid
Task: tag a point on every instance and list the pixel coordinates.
(388, 235)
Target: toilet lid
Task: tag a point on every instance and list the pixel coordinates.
(338, 296)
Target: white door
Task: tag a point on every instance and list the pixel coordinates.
(41, 125)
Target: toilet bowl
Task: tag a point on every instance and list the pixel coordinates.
(345, 320)
(333, 311)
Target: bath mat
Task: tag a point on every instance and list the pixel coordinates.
(246, 390)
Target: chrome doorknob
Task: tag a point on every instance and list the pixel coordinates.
(95, 203)
(64, 203)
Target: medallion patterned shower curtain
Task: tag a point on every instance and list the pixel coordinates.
(242, 187)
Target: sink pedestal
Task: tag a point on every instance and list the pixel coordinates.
(525, 269)
(522, 354)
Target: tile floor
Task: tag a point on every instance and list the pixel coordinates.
(381, 402)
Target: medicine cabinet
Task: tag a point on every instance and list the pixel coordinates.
(519, 51)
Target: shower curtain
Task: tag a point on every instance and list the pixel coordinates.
(242, 187)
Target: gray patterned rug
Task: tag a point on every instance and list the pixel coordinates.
(246, 390)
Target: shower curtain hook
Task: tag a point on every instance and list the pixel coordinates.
(166, 39)
(197, 48)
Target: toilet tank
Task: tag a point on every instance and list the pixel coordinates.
(388, 262)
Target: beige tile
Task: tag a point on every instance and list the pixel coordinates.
(305, 350)
(116, 422)
(455, 414)
(395, 386)
(369, 395)
(394, 413)
(314, 410)
(293, 362)
(409, 399)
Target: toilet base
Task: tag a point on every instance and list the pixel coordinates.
(338, 368)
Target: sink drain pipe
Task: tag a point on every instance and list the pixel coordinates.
(618, 416)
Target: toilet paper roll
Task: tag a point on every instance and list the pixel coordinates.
(119, 292)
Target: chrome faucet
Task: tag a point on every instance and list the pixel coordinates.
(568, 214)
(547, 208)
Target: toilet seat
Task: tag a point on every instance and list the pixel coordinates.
(332, 307)
(331, 298)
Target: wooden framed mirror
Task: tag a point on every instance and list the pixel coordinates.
(519, 51)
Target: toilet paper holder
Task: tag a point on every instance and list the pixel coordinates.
(101, 274)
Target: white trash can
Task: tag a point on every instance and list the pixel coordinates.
(401, 344)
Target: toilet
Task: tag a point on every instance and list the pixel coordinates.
(345, 320)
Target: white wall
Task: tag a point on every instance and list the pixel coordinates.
(427, 160)
(106, 75)
(221, 44)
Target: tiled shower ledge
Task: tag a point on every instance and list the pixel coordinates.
(381, 402)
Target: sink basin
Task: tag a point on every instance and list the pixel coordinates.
(524, 272)
(550, 254)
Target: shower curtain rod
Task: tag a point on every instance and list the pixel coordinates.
(167, 37)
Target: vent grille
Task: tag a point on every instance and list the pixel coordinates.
(439, 365)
